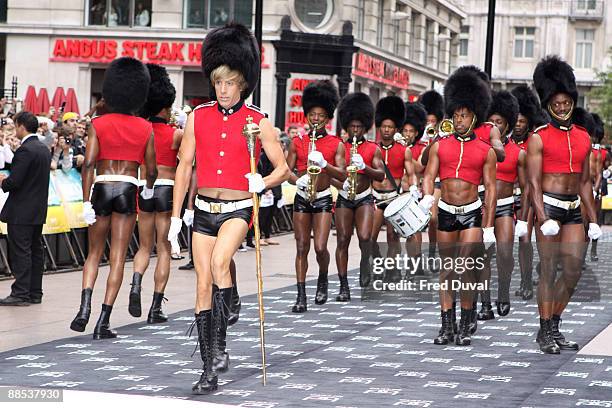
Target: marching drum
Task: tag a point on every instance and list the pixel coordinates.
(405, 215)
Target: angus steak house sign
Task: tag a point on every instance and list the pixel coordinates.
(106, 50)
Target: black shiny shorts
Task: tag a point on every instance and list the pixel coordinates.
(565, 217)
(448, 222)
(302, 205)
(116, 197)
(161, 201)
(437, 185)
(209, 224)
(386, 203)
(342, 202)
(504, 211)
(517, 203)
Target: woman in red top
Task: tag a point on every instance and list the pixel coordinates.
(529, 118)
(462, 161)
(314, 214)
(118, 143)
(356, 115)
(154, 213)
(398, 164)
(223, 207)
(503, 113)
(560, 182)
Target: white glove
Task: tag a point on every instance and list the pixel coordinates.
(427, 202)
(549, 228)
(175, 228)
(488, 236)
(357, 160)
(317, 158)
(594, 231)
(607, 174)
(302, 182)
(147, 193)
(346, 185)
(256, 182)
(414, 191)
(188, 217)
(520, 230)
(89, 215)
(280, 203)
(399, 139)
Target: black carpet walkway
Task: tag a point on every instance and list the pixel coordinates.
(360, 354)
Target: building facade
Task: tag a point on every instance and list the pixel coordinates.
(580, 31)
(404, 46)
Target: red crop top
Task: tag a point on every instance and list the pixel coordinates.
(563, 150)
(462, 160)
(417, 150)
(508, 169)
(365, 148)
(222, 156)
(326, 144)
(122, 137)
(393, 156)
(164, 138)
(601, 151)
(483, 132)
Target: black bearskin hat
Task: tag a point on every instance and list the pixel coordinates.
(356, 106)
(466, 89)
(583, 118)
(433, 103)
(232, 45)
(390, 107)
(529, 106)
(505, 104)
(599, 126)
(323, 94)
(416, 115)
(552, 75)
(125, 86)
(473, 68)
(161, 91)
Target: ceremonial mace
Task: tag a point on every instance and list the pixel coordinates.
(251, 131)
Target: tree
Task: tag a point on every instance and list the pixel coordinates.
(603, 97)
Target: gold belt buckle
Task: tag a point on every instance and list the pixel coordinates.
(573, 205)
(459, 210)
(215, 208)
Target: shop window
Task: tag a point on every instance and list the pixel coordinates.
(524, 38)
(119, 13)
(215, 13)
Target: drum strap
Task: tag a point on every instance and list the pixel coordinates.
(390, 177)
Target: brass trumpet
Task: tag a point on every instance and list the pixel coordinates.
(446, 127)
(351, 171)
(312, 170)
(430, 131)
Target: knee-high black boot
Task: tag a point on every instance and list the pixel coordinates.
(134, 306)
(156, 314)
(221, 309)
(235, 306)
(82, 318)
(208, 379)
(102, 329)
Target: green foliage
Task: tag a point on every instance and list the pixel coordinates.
(602, 96)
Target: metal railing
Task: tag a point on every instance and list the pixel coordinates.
(586, 10)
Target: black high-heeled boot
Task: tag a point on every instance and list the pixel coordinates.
(322, 285)
(221, 309)
(102, 329)
(474, 318)
(300, 303)
(156, 314)
(559, 337)
(208, 379)
(445, 335)
(82, 318)
(486, 311)
(345, 292)
(464, 336)
(134, 306)
(503, 308)
(545, 338)
(235, 306)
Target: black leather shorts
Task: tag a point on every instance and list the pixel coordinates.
(448, 222)
(565, 217)
(342, 202)
(115, 197)
(437, 185)
(209, 224)
(161, 201)
(504, 211)
(517, 203)
(302, 205)
(386, 203)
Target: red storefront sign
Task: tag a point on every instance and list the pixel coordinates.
(295, 111)
(378, 70)
(106, 50)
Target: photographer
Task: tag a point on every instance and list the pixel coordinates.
(62, 152)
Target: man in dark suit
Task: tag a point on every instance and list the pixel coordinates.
(25, 212)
